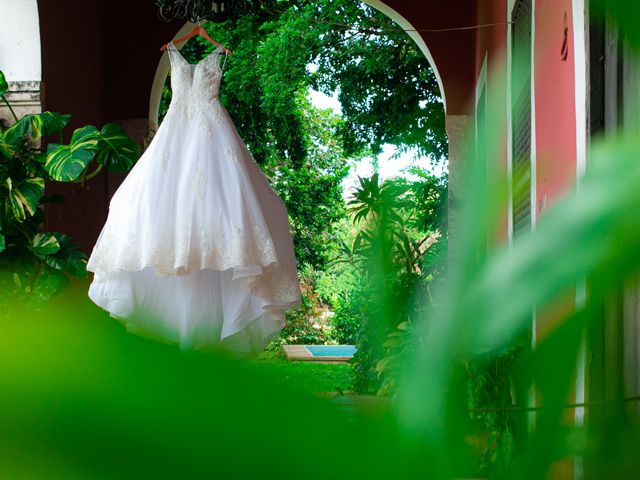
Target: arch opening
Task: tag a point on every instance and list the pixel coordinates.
(428, 239)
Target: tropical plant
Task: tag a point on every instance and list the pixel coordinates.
(34, 263)
(348, 312)
(391, 252)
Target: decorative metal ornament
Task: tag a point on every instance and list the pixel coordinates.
(196, 10)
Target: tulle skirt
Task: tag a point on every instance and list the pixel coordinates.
(196, 249)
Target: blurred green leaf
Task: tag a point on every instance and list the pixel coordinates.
(589, 230)
(47, 283)
(87, 389)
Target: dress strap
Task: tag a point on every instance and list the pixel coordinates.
(226, 54)
(171, 49)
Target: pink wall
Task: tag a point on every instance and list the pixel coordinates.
(555, 112)
(555, 135)
(555, 101)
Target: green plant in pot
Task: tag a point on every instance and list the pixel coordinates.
(35, 264)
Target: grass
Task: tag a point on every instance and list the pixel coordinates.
(306, 377)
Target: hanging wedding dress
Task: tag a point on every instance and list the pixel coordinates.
(196, 249)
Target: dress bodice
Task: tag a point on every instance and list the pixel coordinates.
(195, 85)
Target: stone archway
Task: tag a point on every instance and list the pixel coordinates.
(450, 55)
(403, 23)
(451, 79)
(163, 67)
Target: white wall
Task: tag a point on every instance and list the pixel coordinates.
(20, 57)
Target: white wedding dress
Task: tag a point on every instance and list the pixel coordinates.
(196, 249)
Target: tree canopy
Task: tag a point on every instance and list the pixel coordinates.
(388, 93)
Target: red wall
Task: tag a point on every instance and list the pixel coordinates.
(555, 102)
(555, 112)
(556, 143)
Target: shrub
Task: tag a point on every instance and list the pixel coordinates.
(347, 318)
(309, 324)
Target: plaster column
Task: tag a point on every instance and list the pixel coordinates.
(458, 130)
(20, 57)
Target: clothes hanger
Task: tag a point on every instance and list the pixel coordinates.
(198, 30)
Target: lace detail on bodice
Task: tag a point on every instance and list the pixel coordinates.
(194, 86)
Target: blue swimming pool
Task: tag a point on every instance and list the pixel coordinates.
(331, 350)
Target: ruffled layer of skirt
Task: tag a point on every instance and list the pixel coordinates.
(196, 249)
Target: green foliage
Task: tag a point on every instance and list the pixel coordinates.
(388, 91)
(387, 88)
(308, 325)
(312, 189)
(488, 396)
(399, 224)
(116, 151)
(4, 86)
(22, 198)
(33, 126)
(110, 148)
(45, 244)
(33, 263)
(398, 347)
(307, 377)
(66, 163)
(347, 319)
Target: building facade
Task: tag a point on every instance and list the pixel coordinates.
(550, 77)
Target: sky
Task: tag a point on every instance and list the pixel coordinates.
(387, 166)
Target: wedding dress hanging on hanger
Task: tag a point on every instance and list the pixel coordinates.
(196, 249)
